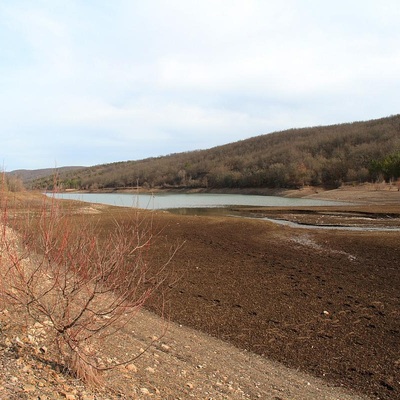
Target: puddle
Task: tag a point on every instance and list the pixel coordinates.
(332, 227)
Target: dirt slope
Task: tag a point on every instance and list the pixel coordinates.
(182, 364)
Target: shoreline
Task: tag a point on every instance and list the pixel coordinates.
(368, 192)
(379, 196)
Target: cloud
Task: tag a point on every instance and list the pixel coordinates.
(93, 82)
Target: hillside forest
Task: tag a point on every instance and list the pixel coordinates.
(320, 156)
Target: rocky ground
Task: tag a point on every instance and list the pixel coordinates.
(181, 364)
(302, 313)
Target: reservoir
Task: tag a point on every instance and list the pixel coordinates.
(167, 201)
(213, 204)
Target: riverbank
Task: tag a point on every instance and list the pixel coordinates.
(321, 302)
(360, 207)
(368, 194)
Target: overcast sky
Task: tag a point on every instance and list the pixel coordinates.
(84, 82)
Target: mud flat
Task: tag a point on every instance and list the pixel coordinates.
(323, 301)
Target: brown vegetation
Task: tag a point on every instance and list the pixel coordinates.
(328, 156)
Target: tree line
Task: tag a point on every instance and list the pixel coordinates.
(320, 156)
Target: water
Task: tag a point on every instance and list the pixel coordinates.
(333, 227)
(166, 201)
(210, 204)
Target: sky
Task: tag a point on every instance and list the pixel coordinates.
(86, 82)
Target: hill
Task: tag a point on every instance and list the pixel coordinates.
(320, 156)
(28, 176)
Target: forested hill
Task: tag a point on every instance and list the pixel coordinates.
(328, 156)
(26, 178)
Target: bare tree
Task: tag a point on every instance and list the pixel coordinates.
(79, 283)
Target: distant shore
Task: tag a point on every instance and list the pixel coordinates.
(365, 193)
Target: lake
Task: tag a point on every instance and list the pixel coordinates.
(210, 204)
(167, 201)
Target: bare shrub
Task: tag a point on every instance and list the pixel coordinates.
(80, 283)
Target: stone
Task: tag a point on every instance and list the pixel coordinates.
(144, 390)
(27, 369)
(68, 396)
(29, 388)
(31, 340)
(131, 367)
(87, 397)
(18, 342)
